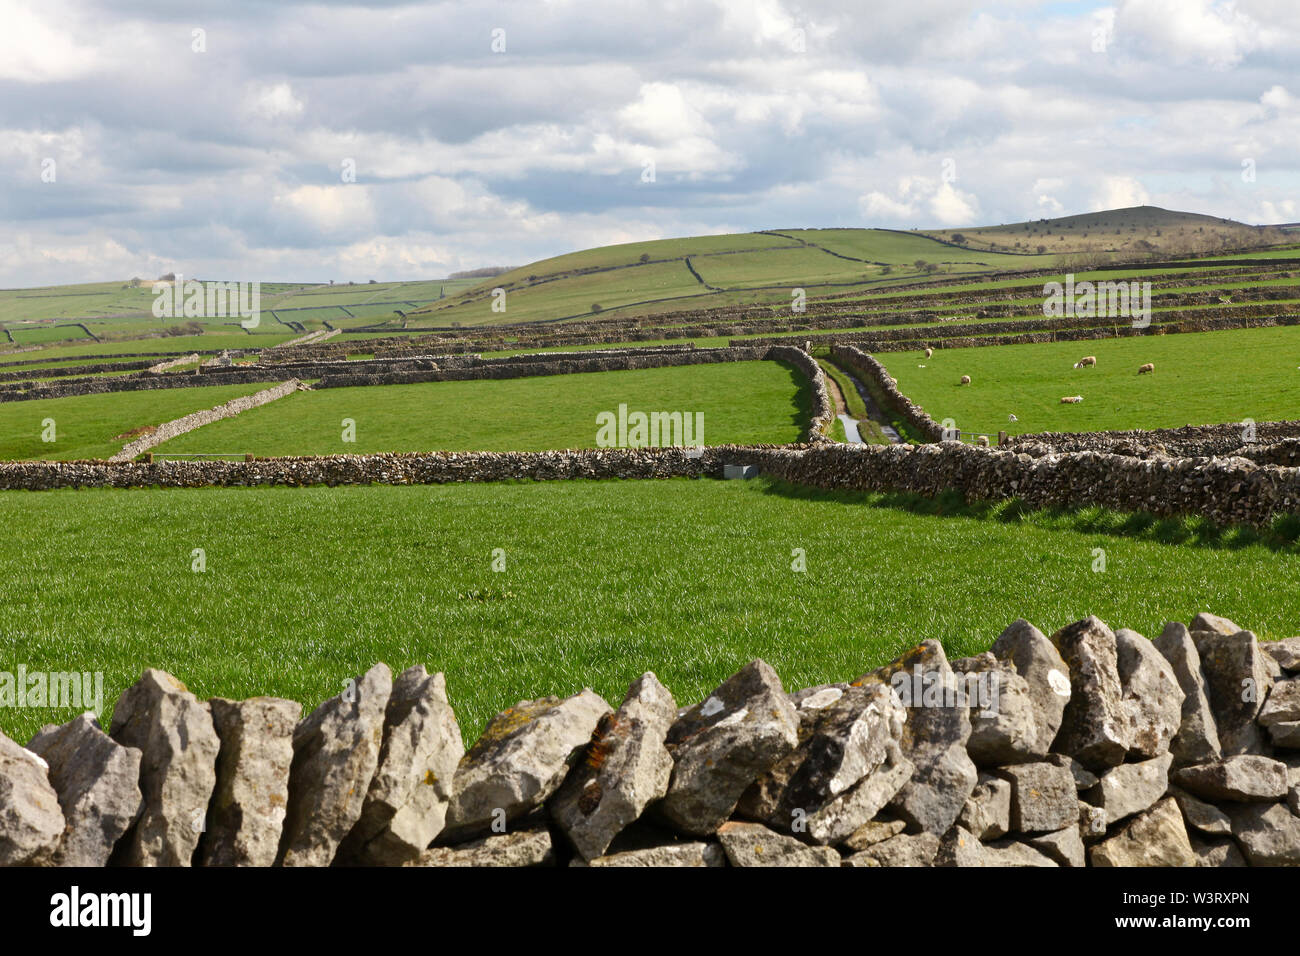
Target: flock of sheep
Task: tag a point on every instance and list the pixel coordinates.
(1085, 362)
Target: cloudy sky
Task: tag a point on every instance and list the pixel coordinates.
(274, 140)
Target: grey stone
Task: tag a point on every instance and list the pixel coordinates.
(625, 768)
(1037, 660)
(526, 847)
(522, 758)
(1285, 736)
(934, 738)
(752, 844)
(1064, 847)
(841, 817)
(842, 741)
(671, 854)
(1043, 797)
(1131, 787)
(903, 850)
(1286, 653)
(1248, 777)
(843, 736)
(246, 817)
(1005, 728)
(1084, 779)
(1217, 853)
(1156, 837)
(725, 743)
(158, 716)
(1293, 800)
(31, 822)
(406, 804)
(959, 847)
(873, 832)
(335, 755)
(1092, 822)
(98, 783)
(1282, 705)
(1268, 833)
(987, 813)
(1238, 682)
(1095, 729)
(1213, 623)
(1201, 815)
(1152, 694)
(1197, 739)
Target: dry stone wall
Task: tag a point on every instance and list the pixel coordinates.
(1263, 442)
(894, 401)
(1039, 331)
(187, 423)
(1089, 748)
(1226, 491)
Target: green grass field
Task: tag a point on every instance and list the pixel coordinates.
(1199, 378)
(741, 402)
(305, 587)
(85, 425)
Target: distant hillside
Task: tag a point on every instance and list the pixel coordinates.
(764, 267)
(1133, 231)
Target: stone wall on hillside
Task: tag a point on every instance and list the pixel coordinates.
(1089, 748)
(1058, 330)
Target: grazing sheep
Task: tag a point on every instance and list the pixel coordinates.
(982, 441)
(1012, 418)
(1086, 361)
(1149, 367)
(1071, 399)
(929, 353)
(965, 379)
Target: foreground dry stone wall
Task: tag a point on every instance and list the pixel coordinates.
(1094, 747)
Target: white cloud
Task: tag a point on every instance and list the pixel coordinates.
(465, 158)
(38, 48)
(274, 101)
(1118, 192)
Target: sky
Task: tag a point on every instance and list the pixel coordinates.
(274, 140)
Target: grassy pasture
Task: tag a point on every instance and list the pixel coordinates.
(307, 587)
(85, 426)
(1200, 378)
(741, 402)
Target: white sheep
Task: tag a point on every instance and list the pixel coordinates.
(982, 441)
(965, 379)
(929, 353)
(1149, 367)
(1071, 399)
(1086, 361)
(1012, 418)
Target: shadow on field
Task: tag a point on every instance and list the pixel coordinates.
(1283, 535)
(803, 397)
